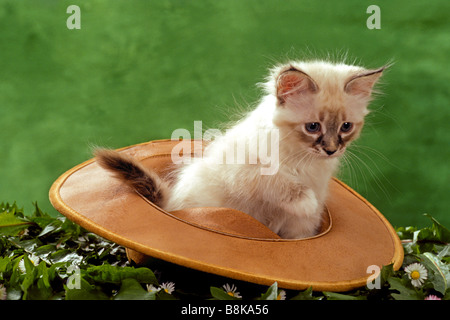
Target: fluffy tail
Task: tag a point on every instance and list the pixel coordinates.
(134, 174)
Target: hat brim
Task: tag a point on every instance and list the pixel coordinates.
(357, 236)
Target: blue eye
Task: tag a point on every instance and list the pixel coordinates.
(346, 126)
(312, 127)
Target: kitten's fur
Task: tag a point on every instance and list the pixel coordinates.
(311, 104)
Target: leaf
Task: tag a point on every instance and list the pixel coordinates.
(112, 274)
(131, 289)
(439, 231)
(85, 292)
(271, 293)
(30, 276)
(386, 272)
(49, 228)
(305, 295)
(44, 251)
(340, 296)
(162, 295)
(405, 293)
(38, 212)
(10, 225)
(437, 276)
(5, 265)
(65, 255)
(406, 232)
(220, 294)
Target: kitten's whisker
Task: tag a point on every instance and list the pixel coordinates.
(292, 156)
(375, 165)
(374, 176)
(357, 168)
(377, 153)
(348, 164)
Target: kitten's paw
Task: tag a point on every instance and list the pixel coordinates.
(304, 206)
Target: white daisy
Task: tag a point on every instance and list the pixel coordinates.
(281, 295)
(168, 287)
(417, 273)
(151, 288)
(34, 260)
(231, 290)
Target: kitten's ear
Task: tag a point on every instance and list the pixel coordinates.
(293, 81)
(362, 84)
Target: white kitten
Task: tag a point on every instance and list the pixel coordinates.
(309, 115)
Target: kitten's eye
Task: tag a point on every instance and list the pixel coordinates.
(346, 126)
(312, 127)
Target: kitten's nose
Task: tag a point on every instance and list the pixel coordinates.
(330, 152)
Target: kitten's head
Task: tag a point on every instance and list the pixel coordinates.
(322, 105)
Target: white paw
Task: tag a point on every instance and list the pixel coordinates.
(306, 205)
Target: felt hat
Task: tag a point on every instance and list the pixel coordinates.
(354, 236)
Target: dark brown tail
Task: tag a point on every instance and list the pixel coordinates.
(134, 174)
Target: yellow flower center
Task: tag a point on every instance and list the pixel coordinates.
(230, 293)
(415, 275)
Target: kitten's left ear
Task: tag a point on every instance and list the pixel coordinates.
(362, 83)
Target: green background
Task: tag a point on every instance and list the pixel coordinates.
(137, 70)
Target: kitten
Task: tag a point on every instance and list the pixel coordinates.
(317, 108)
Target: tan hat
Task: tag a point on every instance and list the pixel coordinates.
(227, 242)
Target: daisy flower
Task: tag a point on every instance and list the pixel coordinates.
(432, 297)
(34, 260)
(151, 288)
(231, 290)
(281, 295)
(168, 287)
(417, 273)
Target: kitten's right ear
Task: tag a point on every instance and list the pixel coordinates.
(292, 82)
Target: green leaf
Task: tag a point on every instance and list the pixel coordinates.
(10, 225)
(131, 289)
(5, 265)
(220, 294)
(51, 227)
(386, 272)
(406, 232)
(162, 295)
(436, 271)
(30, 276)
(405, 292)
(85, 292)
(340, 296)
(112, 274)
(305, 295)
(271, 293)
(38, 212)
(439, 231)
(65, 255)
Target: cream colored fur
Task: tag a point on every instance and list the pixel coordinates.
(291, 200)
